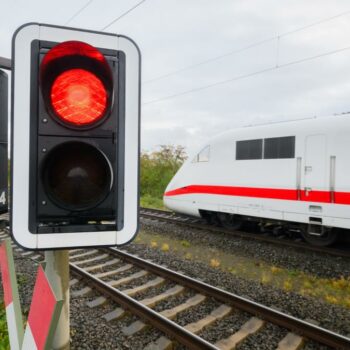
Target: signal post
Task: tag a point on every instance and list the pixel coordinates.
(74, 146)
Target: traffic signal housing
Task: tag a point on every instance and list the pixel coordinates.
(75, 144)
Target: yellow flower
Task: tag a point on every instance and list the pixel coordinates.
(165, 247)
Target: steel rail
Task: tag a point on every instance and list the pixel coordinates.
(5, 63)
(244, 235)
(160, 322)
(316, 333)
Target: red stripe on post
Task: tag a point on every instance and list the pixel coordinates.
(271, 193)
(41, 309)
(5, 274)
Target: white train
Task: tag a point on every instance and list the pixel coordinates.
(295, 174)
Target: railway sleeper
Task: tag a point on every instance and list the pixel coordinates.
(252, 326)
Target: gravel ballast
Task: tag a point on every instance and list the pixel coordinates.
(314, 263)
(90, 331)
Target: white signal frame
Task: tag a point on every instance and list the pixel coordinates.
(21, 63)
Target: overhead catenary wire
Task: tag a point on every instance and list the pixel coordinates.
(123, 14)
(244, 76)
(76, 14)
(247, 47)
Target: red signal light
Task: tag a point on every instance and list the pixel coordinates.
(78, 97)
(77, 84)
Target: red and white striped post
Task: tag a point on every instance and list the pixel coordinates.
(43, 316)
(11, 297)
(45, 310)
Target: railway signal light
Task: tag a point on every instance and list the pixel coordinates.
(75, 141)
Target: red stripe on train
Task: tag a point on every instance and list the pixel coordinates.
(272, 193)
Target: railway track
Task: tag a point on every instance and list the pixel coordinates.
(103, 270)
(197, 223)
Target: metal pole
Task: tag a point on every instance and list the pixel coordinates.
(57, 271)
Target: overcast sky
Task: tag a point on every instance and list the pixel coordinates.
(175, 34)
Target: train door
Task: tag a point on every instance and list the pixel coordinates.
(315, 177)
(315, 164)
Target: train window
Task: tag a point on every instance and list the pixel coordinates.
(279, 147)
(249, 149)
(202, 156)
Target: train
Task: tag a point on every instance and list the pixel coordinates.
(3, 142)
(291, 176)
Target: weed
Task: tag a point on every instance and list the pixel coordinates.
(331, 299)
(214, 263)
(154, 244)
(21, 279)
(341, 283)
(307, 284)
(4, 343)
(188, 256)
(347, 302)
(293, 273)
(165, 247)
(275, 269)
(185, 244)
(287, 285)
(265, 278)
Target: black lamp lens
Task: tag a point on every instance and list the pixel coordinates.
(77, 176)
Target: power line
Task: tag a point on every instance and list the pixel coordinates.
(316, 23)
(244, 48)
(123, 14)
(244, 76)
(79, 11)
(210, 60)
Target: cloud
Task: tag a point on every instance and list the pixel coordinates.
(176, 33)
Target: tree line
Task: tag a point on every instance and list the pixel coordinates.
(157, 169)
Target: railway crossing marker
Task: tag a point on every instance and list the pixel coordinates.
(11, 297)
(44, 310)
(43, 315)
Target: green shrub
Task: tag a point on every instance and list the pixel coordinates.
(4, 339)
(157, 169)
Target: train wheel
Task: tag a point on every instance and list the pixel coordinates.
(230, 221)
(323, 236)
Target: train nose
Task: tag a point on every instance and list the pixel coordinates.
(166, 198)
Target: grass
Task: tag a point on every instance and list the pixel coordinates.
(147, 201)
(4, 339)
